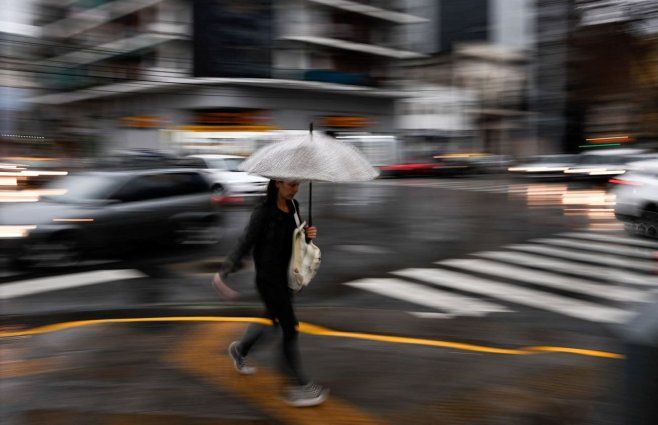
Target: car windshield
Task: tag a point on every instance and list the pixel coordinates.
(82, 188)
(230, 164)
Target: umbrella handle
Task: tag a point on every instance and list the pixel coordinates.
(310, 203)
(310, 187)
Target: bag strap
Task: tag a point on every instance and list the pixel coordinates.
(296, 214)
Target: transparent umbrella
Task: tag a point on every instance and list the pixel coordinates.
(313, 157)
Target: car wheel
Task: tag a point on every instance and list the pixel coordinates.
(648, 224)
(630, 228)
(218, 190)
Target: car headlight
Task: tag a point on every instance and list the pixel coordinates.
(15, 231)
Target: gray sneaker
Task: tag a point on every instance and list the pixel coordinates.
(306, 395)
(238, 360)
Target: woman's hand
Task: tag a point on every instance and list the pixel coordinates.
(311, 232)
(222, 289)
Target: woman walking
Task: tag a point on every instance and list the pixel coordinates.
(269, 234)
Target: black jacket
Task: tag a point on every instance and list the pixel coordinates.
(269, 234)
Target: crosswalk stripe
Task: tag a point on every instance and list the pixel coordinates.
(547, 279)
(54, 283)
(431, 315)
(602, 259)
(615, 239)
(429, 297)
(605, 260)
(603, 273)
(600, 247)
(512, 293)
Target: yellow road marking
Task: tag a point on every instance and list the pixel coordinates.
(317, 330)
(579, 351)
(322, 331)
(203, 355)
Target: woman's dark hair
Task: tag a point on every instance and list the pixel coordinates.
(272, 192)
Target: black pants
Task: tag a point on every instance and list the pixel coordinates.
(278, 302)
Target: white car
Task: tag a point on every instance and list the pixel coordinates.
(544, 166)
(227, 181)
(637, 198)
(604, 164)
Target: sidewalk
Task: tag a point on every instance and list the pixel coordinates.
(177, 372)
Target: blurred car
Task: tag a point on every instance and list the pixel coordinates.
(477, 163)
(544, 166)
(423, 166)
(643, 163)
(103, 212)
(603, 164)
(227, 182)
(488, 164)
(637, 199)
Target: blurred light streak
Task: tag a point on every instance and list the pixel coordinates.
(73, 220)
(15, 231)
(606, 172)
(44, 173)
(614, 226)
(29, 195)
(19, 196)
(625, 182)
(593, 203)
(29, 158)
(588, 198)
(8, 181)
(620, 139)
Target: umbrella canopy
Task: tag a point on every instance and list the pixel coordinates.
(311, 156)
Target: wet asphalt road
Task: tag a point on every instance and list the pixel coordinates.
(366, 231)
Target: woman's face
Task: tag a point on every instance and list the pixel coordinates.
(287, 190)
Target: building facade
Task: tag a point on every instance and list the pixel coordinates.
(595, 73)
(121, 71)
(477, 64)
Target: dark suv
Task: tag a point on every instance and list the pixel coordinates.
(108, 211)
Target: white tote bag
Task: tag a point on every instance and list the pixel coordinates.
(305, 259)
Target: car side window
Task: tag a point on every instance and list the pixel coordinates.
(141, 188)
(218, 163)
(192, 163)
(188, 183)
(158, 186)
